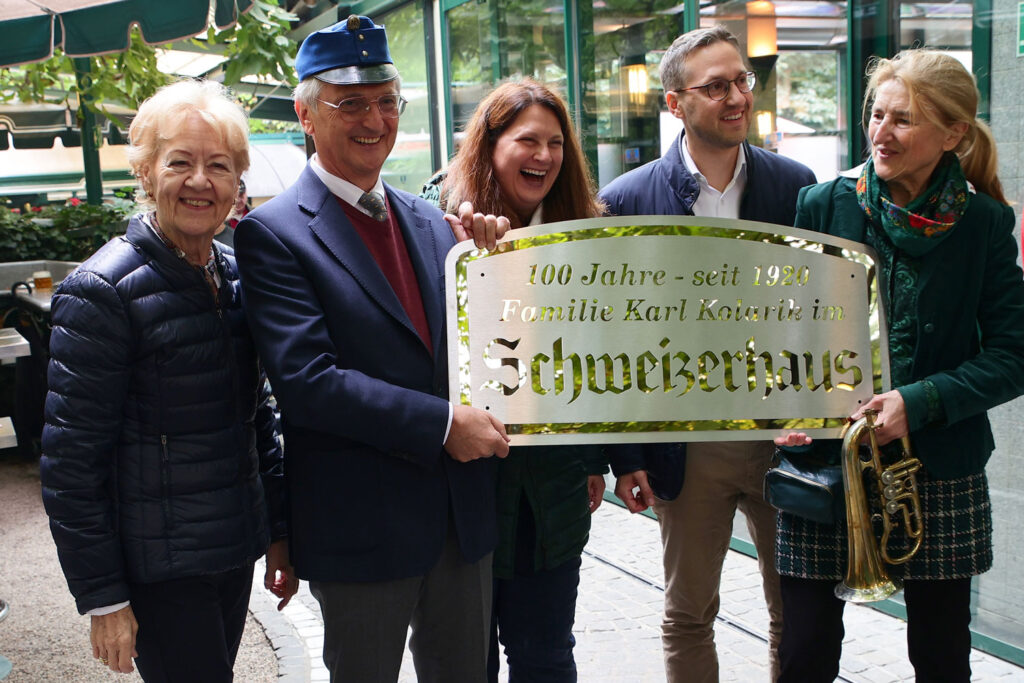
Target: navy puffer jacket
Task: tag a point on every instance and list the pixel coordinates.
(159, 454)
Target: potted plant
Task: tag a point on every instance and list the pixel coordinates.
(61, 232)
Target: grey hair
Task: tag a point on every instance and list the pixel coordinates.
(673, 64)
(308, 91)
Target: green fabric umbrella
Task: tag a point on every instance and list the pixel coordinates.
(30, 29)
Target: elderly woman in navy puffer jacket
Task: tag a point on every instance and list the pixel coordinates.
(161, 471)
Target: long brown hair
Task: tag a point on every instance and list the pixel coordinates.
(944, 92)
(471, 173)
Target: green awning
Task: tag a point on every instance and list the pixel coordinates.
(34, 126)
(31, 29)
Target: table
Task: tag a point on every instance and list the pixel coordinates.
(12, 345)
(37, 303)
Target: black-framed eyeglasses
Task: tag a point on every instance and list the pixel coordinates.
(355, 108)
(719, 89)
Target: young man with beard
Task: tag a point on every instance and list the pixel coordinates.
(710, 171)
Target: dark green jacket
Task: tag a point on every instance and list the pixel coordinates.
(552, 478)
(554, 481)
(970, 323)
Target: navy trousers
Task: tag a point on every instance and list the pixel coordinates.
(532, 613)
(532, 618)
(938, 630)
(190, 629)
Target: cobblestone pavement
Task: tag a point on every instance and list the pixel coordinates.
(618, 620)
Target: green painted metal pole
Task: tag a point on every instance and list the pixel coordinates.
(90, 134)
(873, 31)
(981, 46)
(497, 67)
(691, 16)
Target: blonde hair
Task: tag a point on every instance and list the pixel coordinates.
(945, 93)
(161, 115)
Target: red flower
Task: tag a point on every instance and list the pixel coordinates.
(74, 201)
(37, 209)
(917, 221)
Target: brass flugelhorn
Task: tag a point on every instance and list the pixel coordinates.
(866, 577)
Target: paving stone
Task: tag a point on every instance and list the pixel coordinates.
(618, 621)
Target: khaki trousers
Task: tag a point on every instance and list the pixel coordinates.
(696, 529)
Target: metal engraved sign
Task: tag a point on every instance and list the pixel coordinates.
(665, 328)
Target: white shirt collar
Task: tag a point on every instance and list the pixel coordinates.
(710, 202)
(538, 215)
(341, 188)
(853, 172)
(691, 165)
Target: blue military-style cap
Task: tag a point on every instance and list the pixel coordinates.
(350, 52)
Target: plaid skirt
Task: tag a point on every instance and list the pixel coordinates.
(957, 537)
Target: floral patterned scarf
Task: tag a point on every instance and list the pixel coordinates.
(925, 221)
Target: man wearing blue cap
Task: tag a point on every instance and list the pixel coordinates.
(391, 486)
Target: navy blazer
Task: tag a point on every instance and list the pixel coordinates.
(364, 403)
(666, 187)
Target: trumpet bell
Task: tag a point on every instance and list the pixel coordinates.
(873, 592)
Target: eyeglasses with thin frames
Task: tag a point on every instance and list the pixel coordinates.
(355, 108)
(719, 89)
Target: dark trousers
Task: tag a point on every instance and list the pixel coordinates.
(532, 618)
(938, 630)
(189, 629)
(366, 624)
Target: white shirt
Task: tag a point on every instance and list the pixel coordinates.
(343, 189)
(710, 202)
(538, 215)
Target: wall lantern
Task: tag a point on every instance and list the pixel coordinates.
(765, 125)
(762, 39)
(635, 72)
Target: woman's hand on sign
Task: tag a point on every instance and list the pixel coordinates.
(793, 439)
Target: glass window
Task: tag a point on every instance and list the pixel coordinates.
(795, 48)
(409, 164)
(632, 125)
(945, 25)
(490, 41)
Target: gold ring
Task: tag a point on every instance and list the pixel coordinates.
(103, 660)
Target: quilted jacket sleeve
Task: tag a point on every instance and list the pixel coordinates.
(268, 444)
(89, 372)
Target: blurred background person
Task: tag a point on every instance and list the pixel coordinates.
(929, 202)
(226, 235)
(161, 471)
(520, 158)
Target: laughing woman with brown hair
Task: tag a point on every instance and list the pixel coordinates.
(520, 158)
